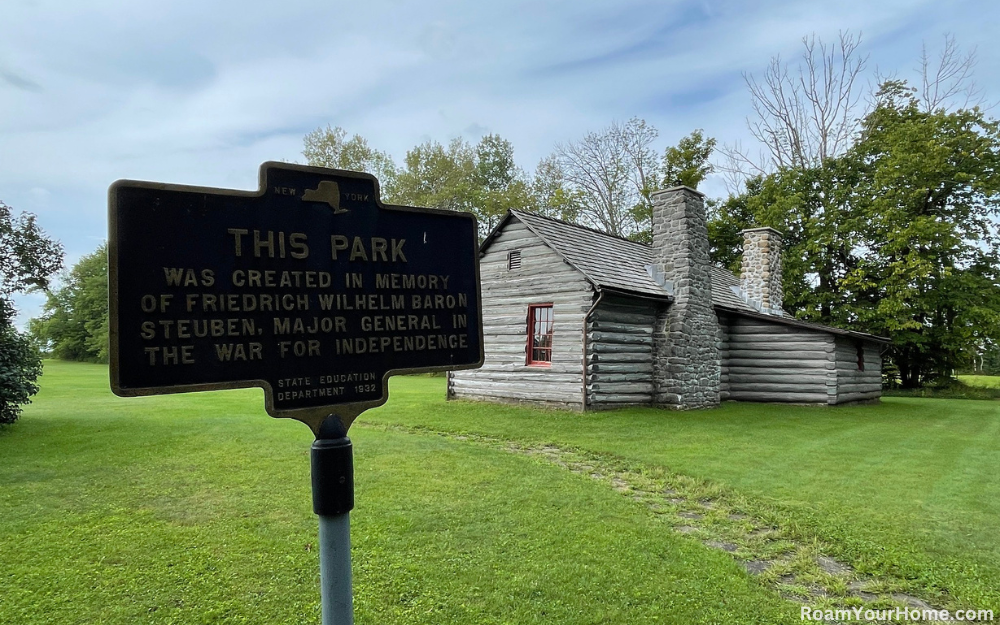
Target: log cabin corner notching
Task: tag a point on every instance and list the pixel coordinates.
(576, 318)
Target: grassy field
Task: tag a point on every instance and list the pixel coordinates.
(906, 489)
(196, 508)
(981, 381)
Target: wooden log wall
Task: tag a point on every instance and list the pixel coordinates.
(544, 277)
(724, 322)
(774, 362)
(620, 353)
(854, 384)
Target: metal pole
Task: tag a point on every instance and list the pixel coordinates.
(333, 499)
(335, 569)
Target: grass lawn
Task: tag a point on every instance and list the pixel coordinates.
(981, 381)
(196, 509)
(907, 489)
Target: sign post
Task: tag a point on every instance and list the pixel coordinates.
(333, 499)
(309, 288)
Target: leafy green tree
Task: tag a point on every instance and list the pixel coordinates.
(27, 256)
(481, 179)
(687, 162)
(726, 219)
(552, 195)
(500, 184)
(74, 322)
(440, 177)
(930, 192)
(684, 164)
(990, 362)
(20, 366)
(897, 236)
(330, 147)
(27, 259)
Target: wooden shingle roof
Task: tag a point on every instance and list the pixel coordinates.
(616, 264)
(608, 262)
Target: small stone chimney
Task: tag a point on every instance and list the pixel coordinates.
(686, 366)
(760, 275)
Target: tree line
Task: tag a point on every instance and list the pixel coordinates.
(888, 199)
(602, 180)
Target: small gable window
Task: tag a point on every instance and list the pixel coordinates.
(540, 334)
(861, 356)
(513, 260)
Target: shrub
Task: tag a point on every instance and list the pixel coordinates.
(20, 366)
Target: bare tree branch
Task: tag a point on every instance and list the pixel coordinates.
(805, 117)
(613, 170)
(949, 83)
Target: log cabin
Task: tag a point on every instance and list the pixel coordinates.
(576, 318)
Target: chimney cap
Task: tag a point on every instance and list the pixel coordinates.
(676, 189)
(763, 229)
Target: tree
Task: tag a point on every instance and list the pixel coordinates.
(27, 256)
(27, 259)
(330, 147)
(482, 179)
(949, 81)
(990, 360)
(439, 177)
(804, 116)
(930, 193)
(897, 236)
(613, 171)
(74, 322)
(726, 220)
(684, 164)
(500, 184)
(552, 194)
(687, 163)
(20, 366)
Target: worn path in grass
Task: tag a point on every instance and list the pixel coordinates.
(196, 509)
(905, 491)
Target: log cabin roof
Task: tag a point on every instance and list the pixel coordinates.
(619, 265)
(608, 262)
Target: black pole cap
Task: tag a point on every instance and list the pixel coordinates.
(332, 469)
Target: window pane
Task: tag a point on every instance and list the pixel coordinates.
(540, 334)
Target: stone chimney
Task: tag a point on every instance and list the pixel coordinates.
(760, 275)
(686, 365)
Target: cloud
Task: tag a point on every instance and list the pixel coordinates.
(201, 93)
(19, 82)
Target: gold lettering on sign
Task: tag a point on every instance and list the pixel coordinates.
(180, 276)
(227, 352)
(299, 348)
(297, 240)
(271, 242)
(372, 250)
(171, 355)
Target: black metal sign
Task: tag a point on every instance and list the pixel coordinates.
(309, 288)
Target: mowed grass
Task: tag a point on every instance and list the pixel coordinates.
(196, 509)
(909, 488)
(981, 381)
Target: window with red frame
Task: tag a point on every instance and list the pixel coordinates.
(540, 334)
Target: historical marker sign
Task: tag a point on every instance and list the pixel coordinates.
(309, 288)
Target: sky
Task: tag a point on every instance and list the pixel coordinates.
(202, 93)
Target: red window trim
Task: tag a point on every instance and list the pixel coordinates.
(531, 347)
